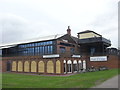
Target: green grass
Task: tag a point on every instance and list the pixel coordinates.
(83, 80)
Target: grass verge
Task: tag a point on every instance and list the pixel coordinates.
(83, 80)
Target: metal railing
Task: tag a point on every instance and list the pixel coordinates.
(95, 39)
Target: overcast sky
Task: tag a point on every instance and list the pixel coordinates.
(27, 19)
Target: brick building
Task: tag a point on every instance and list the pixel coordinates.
(59, 54)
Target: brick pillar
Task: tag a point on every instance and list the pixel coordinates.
(16, 65)
(45, 67)
(66, 67)
(77, 66)
(72, 67)
(30, 66)
(10, 65)
(37, 66)
(23, 66)
(54, 64)
(62, 65)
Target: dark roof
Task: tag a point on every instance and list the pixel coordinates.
(88, 31)
(75, 39)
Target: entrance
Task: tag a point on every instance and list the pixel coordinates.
(69, 65)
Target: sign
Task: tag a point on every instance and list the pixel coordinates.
(100, 58)
(77, 56)
(51, 56)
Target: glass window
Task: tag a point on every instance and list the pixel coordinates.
(32, 44)
(35, 44)
(50, 42)
(35, 49)
(62, 49)
(50, 49)
(72, 50)
(92, 51)
(41, 43)
(22, 46)
(43, 49)
(40, 49)
(47, 43)
(44, 43)
(46, 49)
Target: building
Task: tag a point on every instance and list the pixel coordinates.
(59, 54)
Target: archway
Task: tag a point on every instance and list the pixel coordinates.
(41, 66)
(69, 64)
(80, 65)
(26, 66)
(33, 66)
(20, 66)
(65, 70)
(14, 66)
(75, 66)
(84, 64)
(50, 67)
(58, 66)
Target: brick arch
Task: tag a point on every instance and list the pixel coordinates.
(20, 66)
(50, 67)
(26, 66)
(41, 66)
(14, 65)
(33, 66)
(58, 70)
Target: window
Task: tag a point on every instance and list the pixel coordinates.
(62, 49)
(43, 49)
(50, 42)
(92, 51)
(72, 50)
(49, 51)
(46, 49)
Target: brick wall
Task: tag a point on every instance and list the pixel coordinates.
(112, 62)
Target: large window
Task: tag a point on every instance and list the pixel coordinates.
(38, 48)
(62, 49)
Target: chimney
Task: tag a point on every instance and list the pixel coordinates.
(69, 31)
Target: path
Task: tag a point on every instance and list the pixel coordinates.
(110, 83)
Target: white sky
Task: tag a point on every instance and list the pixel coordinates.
(26, 19)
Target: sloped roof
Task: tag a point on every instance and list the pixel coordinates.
(44, 38)
(87, 31)
(75, 39)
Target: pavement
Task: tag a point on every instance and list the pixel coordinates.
(110, 83)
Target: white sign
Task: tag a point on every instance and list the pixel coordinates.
(51, 56)
(77, 56)
(100, 58)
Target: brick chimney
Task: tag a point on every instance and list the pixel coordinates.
(69, 31)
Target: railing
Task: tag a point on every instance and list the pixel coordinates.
(95, 39)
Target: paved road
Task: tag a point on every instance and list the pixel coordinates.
(111, 83)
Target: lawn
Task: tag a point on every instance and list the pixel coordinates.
(83, 80)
